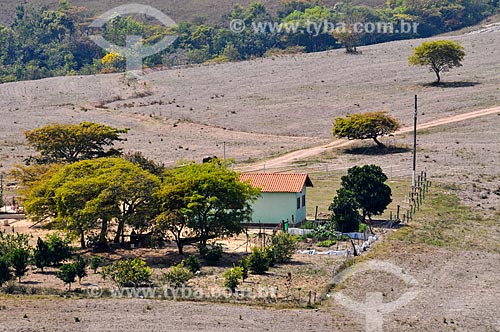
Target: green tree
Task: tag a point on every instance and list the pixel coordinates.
(80, 268)
(128, 273)
(199, 202)
(345, 216)
(367, 186)
(70, 143)
(365, 126)
(91, 194)
(42, 255)
(19, 259)
(439, 55)
(67, 273)
(59, 249)
(95, 263)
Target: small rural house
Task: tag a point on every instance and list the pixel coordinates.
(282, 198)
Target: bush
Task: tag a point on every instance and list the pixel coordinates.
(308, 225)
(95, 263)
(177, 276)
(67, 274)
(19, 258)
(42, 254)
(211, 254)
(284, 245)
(193, 264)
(232, 277)
(80, 266)
(128, 273)
(243, 263)
(59, 247)
(258, 263)
(327, 243)
(362, 228)
(270, 254)
(5, 274)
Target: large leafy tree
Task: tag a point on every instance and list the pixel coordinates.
(439, 55)
(200, 202)
(91, 194)
(365, 125)
(345, 216)
(367, 186)
(74, 142)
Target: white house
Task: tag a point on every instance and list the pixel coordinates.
(283, 197)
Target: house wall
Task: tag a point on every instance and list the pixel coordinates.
(272, 208)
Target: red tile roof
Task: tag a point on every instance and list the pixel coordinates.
(277, 183)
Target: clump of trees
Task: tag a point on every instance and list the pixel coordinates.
(363, 190)
(439, 55)
(370, 125)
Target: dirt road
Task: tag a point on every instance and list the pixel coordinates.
(291, 157)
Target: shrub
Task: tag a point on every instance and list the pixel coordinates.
(177, 276)
(42, 254)
(5, 274)
(211, 254)
(232, 277)
(258, 263)
(327, 243)
(284, 246)
(128, 273)
(243, 263)
(95, 263)
(270, 254)
(80, 266)
(67, 274)
(362, 228)
(308, 225)
(19, 258)
(193, 264)
(59, 247)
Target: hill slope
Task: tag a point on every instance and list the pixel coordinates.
(179, 10)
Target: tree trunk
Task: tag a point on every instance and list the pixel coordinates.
(102, 243)
(180, 247)
(82, 239)
(438, 76)
(119, 231)
(379, 144)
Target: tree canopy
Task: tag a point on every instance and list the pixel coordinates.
(200, 202)
(439, 55)
(366, 125)
(73, 142)
(367, 185)
(90, 194)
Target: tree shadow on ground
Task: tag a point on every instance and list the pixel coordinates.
(445, 85)
(375, 150)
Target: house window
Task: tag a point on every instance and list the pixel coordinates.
(298, 203)
(304, 201)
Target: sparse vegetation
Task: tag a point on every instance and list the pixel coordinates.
(128, 273)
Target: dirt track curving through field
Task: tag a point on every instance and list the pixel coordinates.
(287, 159)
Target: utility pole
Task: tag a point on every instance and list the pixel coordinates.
(414, 173)
(224, 150)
